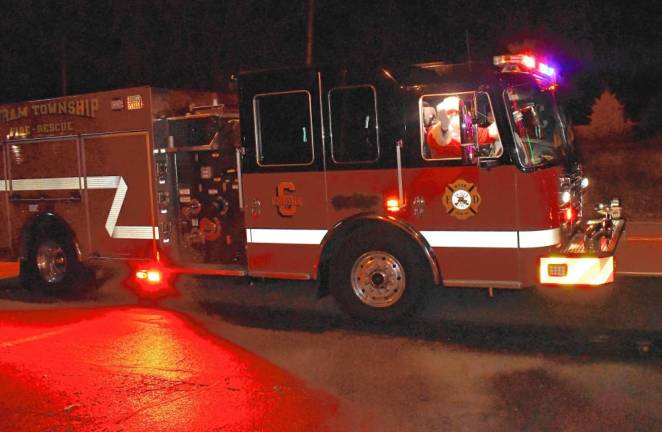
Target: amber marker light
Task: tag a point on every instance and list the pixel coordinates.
(569, 215)
(393, 205)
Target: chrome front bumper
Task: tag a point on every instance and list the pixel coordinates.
(588, 257)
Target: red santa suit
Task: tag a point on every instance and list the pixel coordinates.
(445, 142)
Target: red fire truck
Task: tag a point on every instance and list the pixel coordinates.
(376, 183)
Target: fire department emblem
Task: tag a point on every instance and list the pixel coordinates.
(461, 199)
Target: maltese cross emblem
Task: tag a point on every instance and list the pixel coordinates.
(461, 199)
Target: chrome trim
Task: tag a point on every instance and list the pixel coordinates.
(239, 151)
(69, 199)
(378, 279)
(626, 273)
(51, 260)
(280, 275)
(462, 283)
(398, 155)
(203, 115)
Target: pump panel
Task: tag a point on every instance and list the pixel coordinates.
(206, 222)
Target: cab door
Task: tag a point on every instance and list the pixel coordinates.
(466, 209)
(360, 151)
(283, 177)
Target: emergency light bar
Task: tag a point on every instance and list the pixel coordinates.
(527, 64)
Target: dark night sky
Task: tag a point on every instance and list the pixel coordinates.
(200, 43)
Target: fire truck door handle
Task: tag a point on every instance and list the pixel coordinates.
(256, 208)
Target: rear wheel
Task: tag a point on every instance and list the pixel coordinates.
(52, 264)
(378, 276)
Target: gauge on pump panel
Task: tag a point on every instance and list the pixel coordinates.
(210, 228)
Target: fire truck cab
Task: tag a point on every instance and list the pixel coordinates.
(377, 183)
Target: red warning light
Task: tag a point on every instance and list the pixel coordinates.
(151, 279)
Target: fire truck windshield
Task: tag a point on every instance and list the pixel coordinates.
(539, 130)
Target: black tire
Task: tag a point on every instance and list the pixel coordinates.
(378, 275)
(52, 265)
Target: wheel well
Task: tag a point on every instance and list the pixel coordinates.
(45, 223)
(337, 237)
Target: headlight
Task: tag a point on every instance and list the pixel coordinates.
(565, 197)
(584, 182)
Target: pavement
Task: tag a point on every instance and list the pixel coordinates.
(140, 369)
(639, 252)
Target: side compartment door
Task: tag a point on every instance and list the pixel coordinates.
(119, 187)
(45, 176)
(283, 179)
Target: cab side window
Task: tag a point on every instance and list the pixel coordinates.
(452, 124)
(283, 128)
(353, 124)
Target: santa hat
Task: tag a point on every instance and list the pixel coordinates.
(450, 103)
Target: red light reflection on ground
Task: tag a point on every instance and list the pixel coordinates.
(140, 369)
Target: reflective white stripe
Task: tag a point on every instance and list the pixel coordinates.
(542, 238)
(136, 232)
(449, 239)
(62, 183)
(93, 182)
(285, 236)
(103, 182)
(493, 239)
(3, 185)
(116, 207)
(471, 239)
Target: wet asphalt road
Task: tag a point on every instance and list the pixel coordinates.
(138, 369)
(234, 354)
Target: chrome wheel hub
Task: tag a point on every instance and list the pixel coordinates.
(378, 279)
(51, 262)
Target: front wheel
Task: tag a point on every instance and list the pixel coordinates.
(378, 276)
(52, 264)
